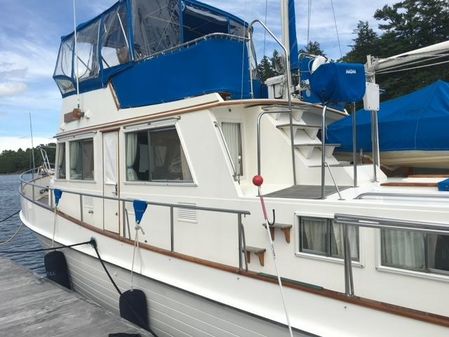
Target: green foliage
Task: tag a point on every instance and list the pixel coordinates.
(20, 160)
(404, 26)
(313, 48)
(275, 65)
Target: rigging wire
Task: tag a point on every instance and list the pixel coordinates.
(413, 62)
(336, 28)
(309, 20)
(412, 68)
(264, 31)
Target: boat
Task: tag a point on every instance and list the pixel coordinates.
(411, 129)
(212, 195)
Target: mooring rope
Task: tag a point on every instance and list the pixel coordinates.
(44, 249)
(143, 324)
(10, 216)
(12, 237)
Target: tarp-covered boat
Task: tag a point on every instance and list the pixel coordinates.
(412, 129)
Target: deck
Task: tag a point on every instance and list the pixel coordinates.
(31, 306)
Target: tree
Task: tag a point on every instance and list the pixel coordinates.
(366, 43)
(404, 26)
(313, 48)
(19, 161)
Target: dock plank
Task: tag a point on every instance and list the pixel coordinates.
(32, 306)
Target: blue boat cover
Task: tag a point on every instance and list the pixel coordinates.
(294, 62)
(339, 82)
(417, 121)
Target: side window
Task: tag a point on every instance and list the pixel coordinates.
(233, 137)
(415, 251)
(60, 167)
(156, 155)
(82, 159)
(321, 236)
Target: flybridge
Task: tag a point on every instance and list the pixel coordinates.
(155, 52)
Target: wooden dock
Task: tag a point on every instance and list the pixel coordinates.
(32, 306)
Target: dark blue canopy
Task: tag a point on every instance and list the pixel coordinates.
(417, 121)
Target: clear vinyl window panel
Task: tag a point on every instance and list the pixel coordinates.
(60, 160)
(321, 236)
(87, 51)
(413, 250)
(156, 155)
(115, 47)
(82, 159)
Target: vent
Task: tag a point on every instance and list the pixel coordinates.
(186, 214)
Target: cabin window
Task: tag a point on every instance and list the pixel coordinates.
(233, 137)
(82, 159)
(115, 41)
(60, 160)
(321, 236)
(156, 155)
(415, 251)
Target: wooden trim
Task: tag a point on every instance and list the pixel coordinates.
(445, 176)
(114, 96)
(410, 184)
(141, 119)
(179, 111)
(364, 302)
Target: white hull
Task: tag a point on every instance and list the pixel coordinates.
(188, 299)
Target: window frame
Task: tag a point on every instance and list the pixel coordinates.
(327, 256)
(148, 129)
(81, 140)
(57, 167)
(427, 270)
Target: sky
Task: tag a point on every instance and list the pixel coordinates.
(30, 33)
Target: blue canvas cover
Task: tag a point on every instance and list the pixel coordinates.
(339, 82)
(417, 121)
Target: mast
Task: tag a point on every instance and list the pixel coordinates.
(288, 23)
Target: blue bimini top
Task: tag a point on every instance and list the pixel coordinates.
(157, 51)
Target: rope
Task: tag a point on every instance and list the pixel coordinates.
(45, 249)
(142, 323)
(10, 216)
(270, 239)
(54, 226)
(94, 246)
(136, 246)
(12, 237)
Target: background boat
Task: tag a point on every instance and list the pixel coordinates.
(412, 129)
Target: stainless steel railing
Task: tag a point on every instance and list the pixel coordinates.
(123, 201)
(379, 223)
(289, 97)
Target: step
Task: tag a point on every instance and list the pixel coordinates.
(310, 129)
(259, 252)
(308, 149)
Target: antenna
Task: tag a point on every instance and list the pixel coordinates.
(32, 148)
(76, 56)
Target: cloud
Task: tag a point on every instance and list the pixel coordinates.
(8, 89)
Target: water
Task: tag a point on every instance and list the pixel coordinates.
(25, 240)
